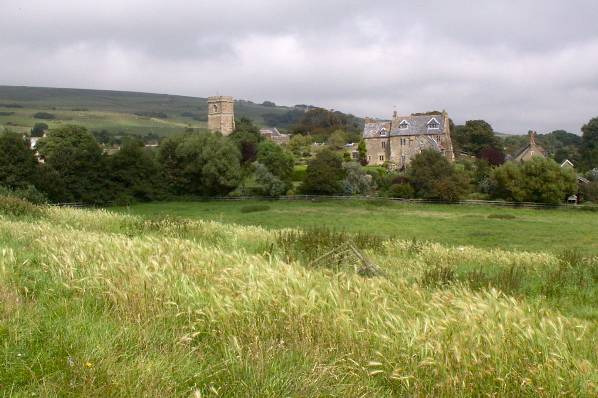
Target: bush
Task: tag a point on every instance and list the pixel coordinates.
(29, 194)
(6, 113)
(157, 115)
(404, 191)
(254, 208)
(17, 207)
(44, 115)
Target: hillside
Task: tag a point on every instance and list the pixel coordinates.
(98, 304)
(115, 111)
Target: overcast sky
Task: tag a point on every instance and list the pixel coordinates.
(518, 64)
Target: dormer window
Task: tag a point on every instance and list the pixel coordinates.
(433, 124)
(404, 125)
(383, 132)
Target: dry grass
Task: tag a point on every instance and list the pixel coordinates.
(104, 305)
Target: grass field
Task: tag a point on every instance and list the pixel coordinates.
(96, 303)
(113, 111)
(480, 226)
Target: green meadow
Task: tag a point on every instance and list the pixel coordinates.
(166, 301)
(551, 230)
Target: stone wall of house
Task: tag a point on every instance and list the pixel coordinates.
(403, 149)
(221, 114)
(378, 150)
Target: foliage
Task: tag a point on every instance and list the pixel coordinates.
(300, 145)
(589, 192)
(433, 177)
(17, 207)
(404, 191)
(200, 164)
(324, 174)
(356, 181)
(39, 129)
(157, 115)
(271, 185)
(73, 154)
(589, 151)
(44, 115)
(337, 139)
(538, 180)
(18, 165)
(475, 136)
(321, 122)
(277, 160)
(135, 172)
(29, 193)
(493, 156)
(247, 137)
(363, 152)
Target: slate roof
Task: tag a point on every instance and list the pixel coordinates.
(417, 125)
(375, 129)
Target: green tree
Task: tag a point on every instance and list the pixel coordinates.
(434, 177)
(39, 129)
(270, 184)
(324, 174)
(18, 165)
(363, 152)
(475, 136)
(247, 137)
(278, 161)
(356, 181)
(538, 180)
(589, 151)
(201, 164)
(300, 145)
(135, 171)
(77, 160)
(337, 139)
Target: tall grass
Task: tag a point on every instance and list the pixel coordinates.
(101, 305)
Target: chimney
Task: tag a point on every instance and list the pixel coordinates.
(532, 137)
(394, 114)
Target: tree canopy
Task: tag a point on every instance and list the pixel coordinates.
(18, 165)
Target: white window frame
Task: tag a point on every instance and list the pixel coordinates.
(436, 122)
(383, 131)
(404, 122)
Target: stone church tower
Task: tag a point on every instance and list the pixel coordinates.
(221, 114)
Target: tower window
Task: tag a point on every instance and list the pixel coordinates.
(383, 144)
(381, 157)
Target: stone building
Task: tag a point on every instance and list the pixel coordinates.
(221, 114)
(397, 141)
(274, 135)
(531, 150)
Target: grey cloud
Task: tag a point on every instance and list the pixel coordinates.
(518, 64)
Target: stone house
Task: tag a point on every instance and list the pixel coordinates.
(397, 141)
(274, 135)
(531, 150)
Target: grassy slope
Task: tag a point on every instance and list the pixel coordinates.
(533, 230)
(97, 304)
(111, 110)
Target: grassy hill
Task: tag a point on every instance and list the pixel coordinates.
(114, 111)
(94, 303)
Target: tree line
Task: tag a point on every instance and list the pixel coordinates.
(70, 165)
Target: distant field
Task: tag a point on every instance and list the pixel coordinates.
(112, 110)
(480, 226)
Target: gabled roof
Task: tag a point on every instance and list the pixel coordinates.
(567, 162)
(418, 125)
(376, 129)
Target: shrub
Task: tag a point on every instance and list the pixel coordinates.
(28, 193)
(6, 113)
(401, 191)
(17, 207)
(44, 115)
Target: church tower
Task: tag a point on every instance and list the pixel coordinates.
(221, 114)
